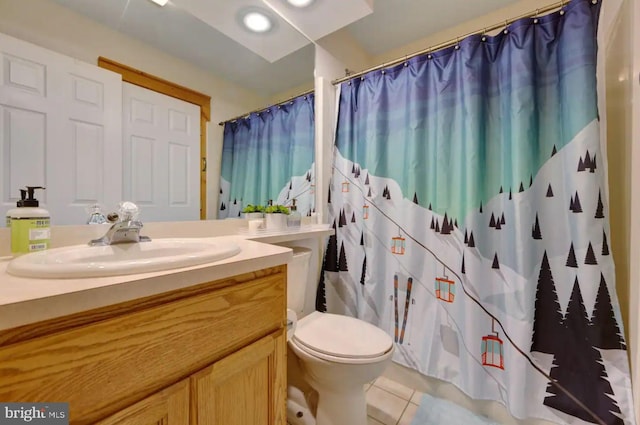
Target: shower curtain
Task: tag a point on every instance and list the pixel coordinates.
(469, 203)
(269, 156)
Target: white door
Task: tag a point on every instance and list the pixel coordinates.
(60, 127)
(161, 155)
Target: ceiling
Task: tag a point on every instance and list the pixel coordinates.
(207, 34)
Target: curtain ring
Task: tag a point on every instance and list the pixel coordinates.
(535, 19)
(506, 26)
(562, 2)
(484, 34)
(429, 55)
(457, 43)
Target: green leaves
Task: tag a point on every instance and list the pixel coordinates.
(250, 208)
(276, 209)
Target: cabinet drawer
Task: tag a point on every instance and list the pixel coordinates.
(103, 367)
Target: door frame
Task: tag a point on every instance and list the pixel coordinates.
(160, 85)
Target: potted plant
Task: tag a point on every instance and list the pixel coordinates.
(276, 217)
(253, 212)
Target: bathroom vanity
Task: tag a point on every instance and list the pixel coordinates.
(198, 345)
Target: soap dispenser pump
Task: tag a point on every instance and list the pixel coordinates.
(30, 230)
(14, 211)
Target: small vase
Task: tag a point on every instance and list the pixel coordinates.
(276, 221)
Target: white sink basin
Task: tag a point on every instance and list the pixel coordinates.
(80, 261)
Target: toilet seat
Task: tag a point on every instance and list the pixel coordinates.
(341, 339)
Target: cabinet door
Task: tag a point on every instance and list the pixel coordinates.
(247, 387)
(167, 407)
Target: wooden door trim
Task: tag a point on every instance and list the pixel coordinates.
(160, 85)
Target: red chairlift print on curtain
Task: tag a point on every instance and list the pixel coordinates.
(445, 287)
(492, 349)
(345, 186)
(400, 331)
(365, 211)
(398, 244)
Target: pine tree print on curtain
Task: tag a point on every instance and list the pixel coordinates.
(478, 168)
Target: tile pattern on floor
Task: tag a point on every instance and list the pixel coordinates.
(391, 403)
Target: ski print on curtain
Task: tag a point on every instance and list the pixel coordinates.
(269, 155)
(467, 199)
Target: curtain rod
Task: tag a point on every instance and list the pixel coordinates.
(267, 107)
(454, 41)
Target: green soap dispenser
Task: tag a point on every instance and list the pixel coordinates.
(30, 229)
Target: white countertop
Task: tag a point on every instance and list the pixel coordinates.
(29, 300)
(304, 232)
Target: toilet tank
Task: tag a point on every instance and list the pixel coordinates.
(298, 279)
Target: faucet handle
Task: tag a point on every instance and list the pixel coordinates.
(128, 211)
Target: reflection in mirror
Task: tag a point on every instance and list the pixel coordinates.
(102, 146)
(82, 161)
(268, 158)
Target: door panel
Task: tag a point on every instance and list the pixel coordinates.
(161, 155)
(246, 387)
(168, 407)
(60, 127)
(23, 137)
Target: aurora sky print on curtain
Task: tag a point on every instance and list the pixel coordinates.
(269, 155)
(468, 198)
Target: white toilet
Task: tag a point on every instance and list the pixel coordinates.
(337, 354)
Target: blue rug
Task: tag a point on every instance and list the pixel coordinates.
(437, 411)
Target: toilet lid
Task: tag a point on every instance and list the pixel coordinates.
(341, 336)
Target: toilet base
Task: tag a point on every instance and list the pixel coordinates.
(339, 380)
(341, 408)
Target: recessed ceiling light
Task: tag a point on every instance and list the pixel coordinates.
(256, 21)
(300, 3)
(160, 2)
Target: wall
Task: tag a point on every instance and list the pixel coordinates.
(52, 26)
(634, 190)
(288, 94)
(514, 10)
(618, 125)
(334, 54)
(347, 51)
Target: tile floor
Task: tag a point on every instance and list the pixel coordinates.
(391, 403)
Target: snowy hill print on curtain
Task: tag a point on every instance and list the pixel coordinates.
(468, 198)
(269, 155)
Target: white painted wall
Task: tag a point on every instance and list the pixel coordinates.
(513, 10)
(617, 54)
(52, 26)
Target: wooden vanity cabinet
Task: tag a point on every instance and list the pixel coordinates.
(213, 353)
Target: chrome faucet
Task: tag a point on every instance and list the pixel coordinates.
(125, 230)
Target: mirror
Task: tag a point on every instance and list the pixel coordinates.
(174, 44)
